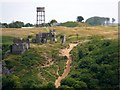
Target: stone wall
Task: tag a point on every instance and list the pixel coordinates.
(44, 37)
(19, 46)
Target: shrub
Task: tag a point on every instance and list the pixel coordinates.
(96, 64)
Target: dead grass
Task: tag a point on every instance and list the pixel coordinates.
(106, 31)
(21, 32)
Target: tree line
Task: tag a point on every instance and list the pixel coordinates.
(99, 20)
(16, 24)
(96, 20)
(91, 21)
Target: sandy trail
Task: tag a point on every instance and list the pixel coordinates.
(65, 52)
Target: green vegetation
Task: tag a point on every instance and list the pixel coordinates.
(95, 66)
(53, 21)
(98, 21)
(70, 24)
(113, 20)
(27, 67)
(6, 41)
(16, 24)
(94, 63)
(28, 25)
(80, 18)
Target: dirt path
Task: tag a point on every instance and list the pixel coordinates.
(65, 52)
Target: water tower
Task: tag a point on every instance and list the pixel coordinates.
(40, 16)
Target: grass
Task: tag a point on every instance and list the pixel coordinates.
(107, 31)
(47, 75)
(5, 42)
(6, 39)
(70, 24)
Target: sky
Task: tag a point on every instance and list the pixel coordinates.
(61, 10)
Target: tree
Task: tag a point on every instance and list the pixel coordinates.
(28, 25)
(16, 24)
(53, 21)
(107, 20)
(113, 20)
(11, 25)
(68, 81)
(10, 82)
(97, 20)
(5, 25)
(80, 18)
(80, 85)
(71, 82)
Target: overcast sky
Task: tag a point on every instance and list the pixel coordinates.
(61, 10)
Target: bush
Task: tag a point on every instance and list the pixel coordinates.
(30, 58)
(10, 82)
(70, 82)
(96, 64)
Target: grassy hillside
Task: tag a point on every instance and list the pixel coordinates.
(41, 65)
(70, 24)
(28, 66)
(6, 42)
(74, 24)
(95, 66)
